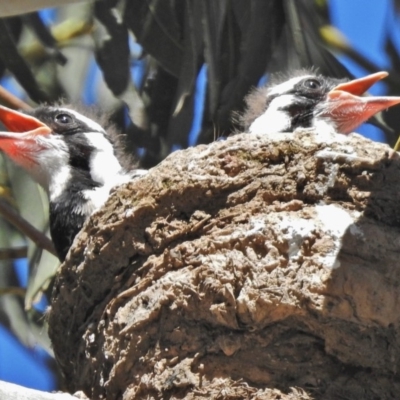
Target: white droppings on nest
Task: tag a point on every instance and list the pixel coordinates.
(330, 220)
(258, 225)
(348, 149)
(204, 153)
(337, 156)
(276, 136)
(129, 213)
(332, 176)
(295, 231)
(335, 222)
(192, 165)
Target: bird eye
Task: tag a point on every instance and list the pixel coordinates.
(63, 119)
(312, 84)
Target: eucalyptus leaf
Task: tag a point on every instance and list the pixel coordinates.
(113, 57)
(30, 197)
(183, 113)
(41, 272)
(260, 37)
(13, 61)
(33, 205)
(78, 50)
(45, 36)
(213, 17)
(12, 313)
(112, 47)
(156, 27)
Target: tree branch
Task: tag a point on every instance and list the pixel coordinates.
(17, 7)
(11, 391)
(9, 100)
(26, 228)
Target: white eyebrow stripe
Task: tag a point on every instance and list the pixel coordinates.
(287, 86)
(87, 121)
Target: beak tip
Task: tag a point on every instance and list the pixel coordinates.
(361, 85)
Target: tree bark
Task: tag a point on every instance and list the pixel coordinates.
(261, 267)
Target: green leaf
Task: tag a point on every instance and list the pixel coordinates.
(41, 273)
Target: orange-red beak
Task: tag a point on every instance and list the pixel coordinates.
(348, 110)
(16, 121)
(24, 129)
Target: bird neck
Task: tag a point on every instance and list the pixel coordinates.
(276, 117)
(74, 200)
(86, 191)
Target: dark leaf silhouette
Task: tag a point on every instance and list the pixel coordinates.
(42, 32)
(112, 54)
(259, 38)
(157, 26)
(13, 61)
(182, 115)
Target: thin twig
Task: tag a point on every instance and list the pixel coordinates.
(9, 100)
(39, 238)
(16, 290)
(14, 252)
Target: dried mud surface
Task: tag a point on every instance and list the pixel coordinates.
(258, 268)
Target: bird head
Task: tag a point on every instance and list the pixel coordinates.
(58, 146)
(310, 100)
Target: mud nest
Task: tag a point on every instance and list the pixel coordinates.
(261, 267)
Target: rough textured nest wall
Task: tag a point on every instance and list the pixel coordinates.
(259, 267)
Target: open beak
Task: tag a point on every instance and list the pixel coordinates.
(346, 107)
(21, 142)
